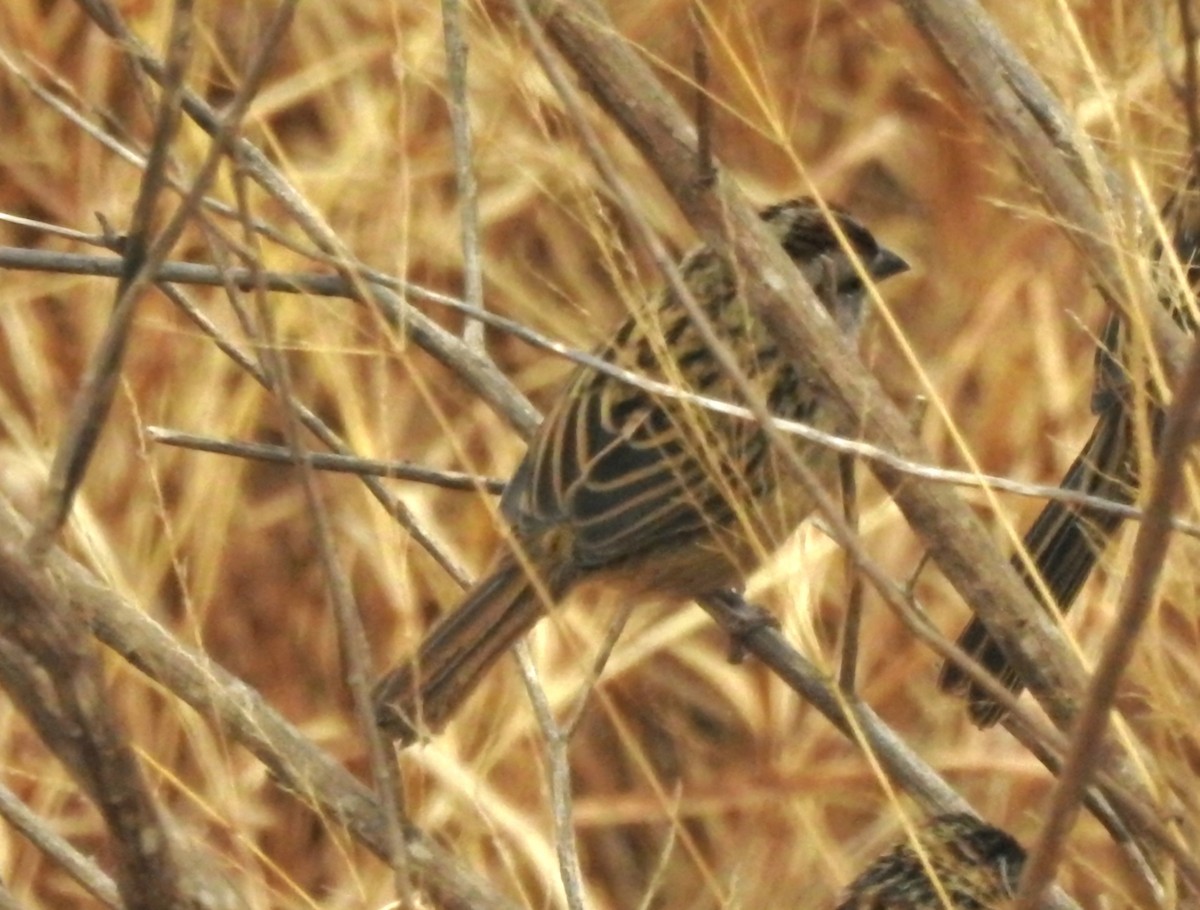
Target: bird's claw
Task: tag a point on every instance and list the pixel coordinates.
(742, 620)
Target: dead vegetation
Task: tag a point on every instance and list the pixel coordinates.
(695, 782)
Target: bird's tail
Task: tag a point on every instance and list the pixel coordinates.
(1066, 540)
(1064, 545)
(425, 691)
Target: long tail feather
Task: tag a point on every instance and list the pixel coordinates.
(424, 692)
(1064, 543)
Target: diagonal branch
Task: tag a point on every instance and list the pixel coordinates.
(1104, 219)
(623, 85)
(620, 81)
(299, 766)
(50, 668)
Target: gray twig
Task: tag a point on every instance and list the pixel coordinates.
(464, 173)
(81, 868)
(324, 461)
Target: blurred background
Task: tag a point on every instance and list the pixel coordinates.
(698, 783)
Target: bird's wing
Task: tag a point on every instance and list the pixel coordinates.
(624, 471)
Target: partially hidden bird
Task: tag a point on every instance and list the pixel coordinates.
(1064, 544)
(647, 492)
(957, 862)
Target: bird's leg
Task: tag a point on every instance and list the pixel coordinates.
(741, 618)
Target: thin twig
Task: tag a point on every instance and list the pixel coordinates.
(393, 504)
(559, 781)
(352, 638)
(323, 461)
(658, 875)
(91, 405)
(611, 636)
(464, 172)
(480, 374)
(335, 286)
(124, 151)
(81, 868)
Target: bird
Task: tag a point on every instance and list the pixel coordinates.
(644, 492)
(1066, 540)
(962, 864)
(1063, 544)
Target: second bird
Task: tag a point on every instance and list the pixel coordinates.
(650, 494)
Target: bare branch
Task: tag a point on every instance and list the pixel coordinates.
(464, 174)
(91, 406)
(81, 868)
(322, 461)
(352, 639)
(558, 777)
(48, 665)
(303, 769)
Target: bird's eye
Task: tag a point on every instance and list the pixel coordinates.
(850, 284)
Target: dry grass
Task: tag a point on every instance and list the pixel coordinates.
(755, 800)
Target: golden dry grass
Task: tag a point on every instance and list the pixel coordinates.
(702, 783)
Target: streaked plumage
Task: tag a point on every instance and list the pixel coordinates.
(975, 867)
(648, 493)
(1066, 541)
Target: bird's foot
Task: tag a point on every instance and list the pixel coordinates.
(741, 620)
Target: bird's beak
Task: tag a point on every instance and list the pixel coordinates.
(886, 264)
